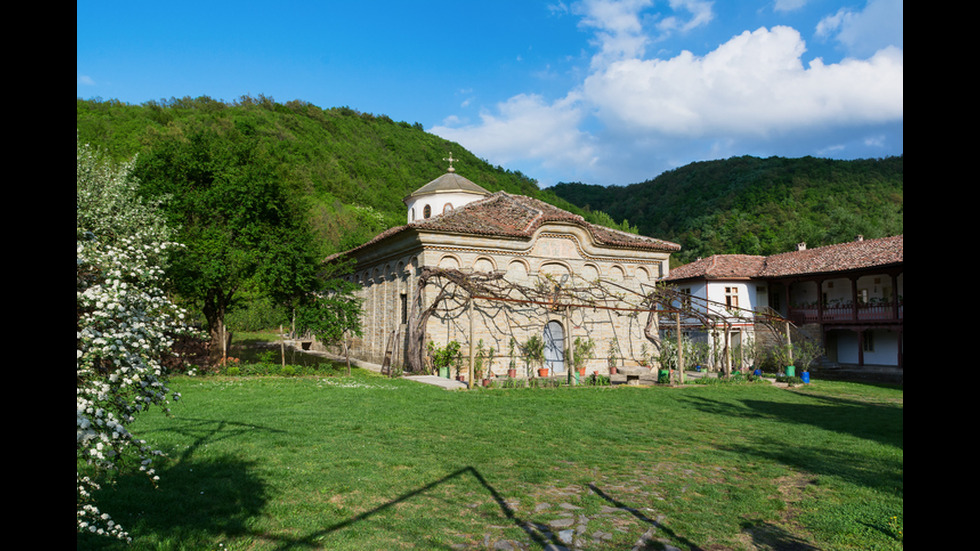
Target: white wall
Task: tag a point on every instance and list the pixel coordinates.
(438, 202)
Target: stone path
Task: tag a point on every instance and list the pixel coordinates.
(570, 530)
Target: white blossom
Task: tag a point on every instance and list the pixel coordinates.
(125, 325)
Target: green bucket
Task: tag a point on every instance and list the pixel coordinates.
(664, 376)
(790, 370)
(444, 372)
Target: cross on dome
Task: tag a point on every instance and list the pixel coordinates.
(451, 160)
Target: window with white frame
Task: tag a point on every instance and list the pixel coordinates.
(731, 298)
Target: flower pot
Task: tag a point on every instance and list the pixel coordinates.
(805, 376)
(512, 373)
(542, 372)
(664, 376)
(790, 370)
(581, 371)
(444, 372)
(486, 382)
(612, 370)
(757, 372)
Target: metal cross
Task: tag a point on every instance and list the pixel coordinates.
(450, 159)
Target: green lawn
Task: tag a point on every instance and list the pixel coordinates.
(372, 463)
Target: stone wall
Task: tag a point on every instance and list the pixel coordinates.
(388, 288)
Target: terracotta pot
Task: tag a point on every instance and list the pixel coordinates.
(542, 372)
(581, 371)
(512, 373)
(612, 370)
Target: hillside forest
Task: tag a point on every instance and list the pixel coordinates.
(298, 182)
(748, 205)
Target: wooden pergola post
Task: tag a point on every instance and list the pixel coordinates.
(680, 349)
(469, 378)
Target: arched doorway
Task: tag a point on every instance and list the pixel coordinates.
(554, 347)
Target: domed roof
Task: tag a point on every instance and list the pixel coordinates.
(449, 182)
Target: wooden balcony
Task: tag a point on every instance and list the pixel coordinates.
(863, 313)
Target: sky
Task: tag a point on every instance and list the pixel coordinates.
(608, 92)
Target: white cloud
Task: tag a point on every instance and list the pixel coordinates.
(862, 33)
(85, 80)
(526, 127)
(753, 84)
(788, 5)
(702, 12)
(646, 115)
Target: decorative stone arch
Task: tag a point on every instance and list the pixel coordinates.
(555, 268)
(616, 273)
(447, 208)
(484, 264)
(517, 269)
(590, 272)
(642, 274)
(450, 262)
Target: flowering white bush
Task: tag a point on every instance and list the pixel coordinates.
(125, 325)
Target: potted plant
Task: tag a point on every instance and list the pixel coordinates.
(533, 351)
(478, 362)
(444, 356)
(584, 350)
(490, 375)
(611, 356)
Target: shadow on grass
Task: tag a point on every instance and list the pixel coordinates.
(769, 536)
(538, 533)
(196, 502)
(542, 535)
(882, 424)
(647, 544)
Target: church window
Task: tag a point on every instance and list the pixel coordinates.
(427, 212)
(447, 208)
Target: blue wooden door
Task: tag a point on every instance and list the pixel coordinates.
(554, 347)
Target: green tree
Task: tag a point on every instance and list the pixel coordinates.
(238, 224)
(125, 327)
(331, 315)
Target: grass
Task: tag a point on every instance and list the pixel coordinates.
(366, 462)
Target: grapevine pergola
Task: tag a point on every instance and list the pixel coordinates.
(458, 290)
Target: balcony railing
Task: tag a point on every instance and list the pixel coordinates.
(865, 312)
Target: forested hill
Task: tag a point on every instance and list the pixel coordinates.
(351, 170)
(756, 206)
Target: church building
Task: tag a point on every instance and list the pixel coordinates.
(455, 225)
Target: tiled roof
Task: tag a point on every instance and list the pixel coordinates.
(720, 266)
(504, 215)
(855, 255)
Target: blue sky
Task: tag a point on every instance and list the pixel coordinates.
(597, 91)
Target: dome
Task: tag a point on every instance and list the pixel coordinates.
(449, 182)
(445, 193)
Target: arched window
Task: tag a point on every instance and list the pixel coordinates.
(447, 208)
(427, 212)
(413, 215)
